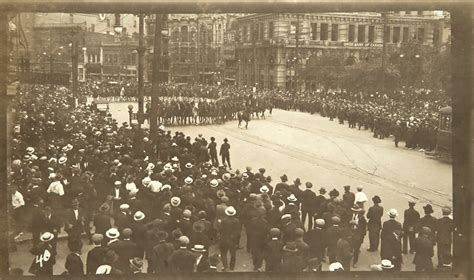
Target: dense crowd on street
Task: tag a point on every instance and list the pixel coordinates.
(410, 115)
(172, 202)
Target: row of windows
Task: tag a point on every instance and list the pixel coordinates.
(114, 59)
(363, 34)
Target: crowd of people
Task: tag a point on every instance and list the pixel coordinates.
(410, 115)
(166, 200)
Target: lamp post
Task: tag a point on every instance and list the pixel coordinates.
(130, 112)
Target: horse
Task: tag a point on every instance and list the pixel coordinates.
(244, 115)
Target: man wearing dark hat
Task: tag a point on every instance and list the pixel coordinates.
(257, 232)
(429, 221)
(344, 251)
(96, 254)
(374, 223)
(292, 261)
(444, 236)
(308, 208)
(212, 147)
(410, 221)
(273, 251)
(424, 250)
(225, 153)
(320, 203)
(158, 261)
(102, 221)
(74, 222)
(74, 264)
(283, 186)
(348, 197)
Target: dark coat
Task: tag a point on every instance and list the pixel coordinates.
(308, 201)
(73, 225)
(74, 264)
(229, 230)
(257, 232)
(316, 239)
(94, 259)
(411, 219)
(348, 199)
(333, 234)
(423, 252)
(292, 262)
(445, 227)
(274, 253)
(126, 250)
(182, 260)
(430, 222)
(161, 254)
(102, 223)
(374, 216)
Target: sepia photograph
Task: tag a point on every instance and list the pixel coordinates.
(280, 142)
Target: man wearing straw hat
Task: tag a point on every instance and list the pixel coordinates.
(229, 230)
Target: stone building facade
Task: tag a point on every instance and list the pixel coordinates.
(269, 54)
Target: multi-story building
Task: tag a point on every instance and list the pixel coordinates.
(270, 48)
(195, 46)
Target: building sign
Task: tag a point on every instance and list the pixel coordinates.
(229, 52)
(365, 45)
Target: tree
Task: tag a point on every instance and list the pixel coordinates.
(325, 70)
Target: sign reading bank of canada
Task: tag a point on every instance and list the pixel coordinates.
(366, 45)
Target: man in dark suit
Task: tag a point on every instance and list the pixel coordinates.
(119, 194)
(229, 230)
(96, 255)
(348, 198)
(158, 261)
(273, 251)
(74, 264)
(213, 151)
(344, 251)
(333, 233)
(316, 240)
(74, 222)
(123, 218)
(320, 203)
(358, 226)
(225, 153)
(388, 228)
(182, 260)
(444, 236)
(410, 222)
(102, 221)
(429, 222)
(126, 250)
(49, 222)
(374, 223)
(423, 251)
(308, 208)
(257, 234)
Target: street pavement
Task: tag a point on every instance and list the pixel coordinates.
(323, 152)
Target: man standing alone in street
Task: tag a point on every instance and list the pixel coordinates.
(213, 151)
(224, 153)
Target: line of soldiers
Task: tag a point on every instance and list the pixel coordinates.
(166, 201)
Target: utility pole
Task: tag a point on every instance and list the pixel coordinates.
(155, 92)
(75, 63)
(384, 48)
(141, 53)
(254, 39)
(297, 50)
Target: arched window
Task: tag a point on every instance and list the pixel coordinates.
(193, 34)
(175, 34)
(184, 34)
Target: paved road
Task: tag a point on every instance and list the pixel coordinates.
(327, 154)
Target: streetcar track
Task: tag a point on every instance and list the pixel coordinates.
(336, 166)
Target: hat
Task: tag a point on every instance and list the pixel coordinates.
(376, 199)
(30, 150)
(174, 144)
(446, 211)
(139, 215)
(127, 232)
(356, 208)
(309, 185)
(75, 202)
(117, 183)
(224, 198)
(183, 240)
(110, 257)
(411, 202)
(261, 170)
(359, 188)
(428, 209)
(230, 211)
(187, 213)
(214, 183)
(161, 235)
(52, 176)
(264, 189)
(336, 266)
(112, 233)
(275, 232)
(426, 230)
(188, 180)
(245, 175)
(161, 127)
(62, 160)
(292, 198)
(386, 264)
(175, 158)
(47, 236)
(225, 139)
(175, 201)
(334, 193)
(188, 165)
(286, 216)
(322, 190)
(214, 260)
(290, 247)
(335, 220)
(226, 176)
(320, 222)
(124, 206)
(199, 226)
(97, 238)
(392, 213)
(104, 207)
(299, 232)
(198, 248)
(136, 263)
